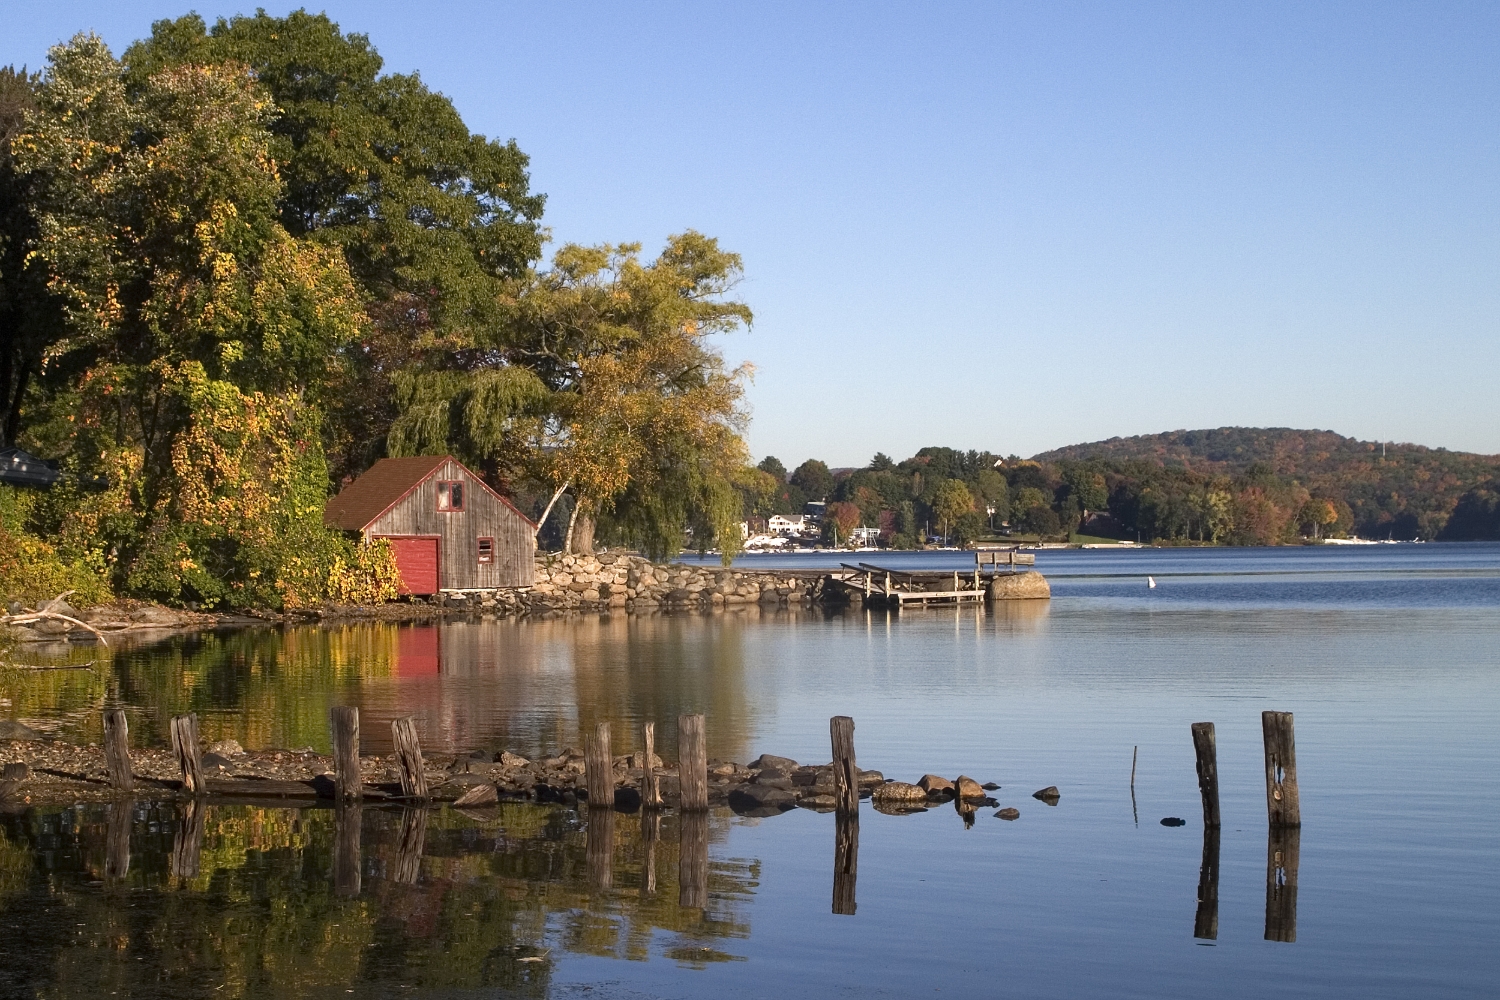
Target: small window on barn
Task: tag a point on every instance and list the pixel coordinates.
(450, 495)
(486, 550)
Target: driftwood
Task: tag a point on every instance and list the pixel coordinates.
(45, 613)
(89, 666)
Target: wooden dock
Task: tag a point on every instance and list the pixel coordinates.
(878, 586)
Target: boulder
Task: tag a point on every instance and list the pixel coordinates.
(509, 759)
(1008, 813)
(756, 800)
(936, 787)
(627, 799)
(213, 760)
(766, 760)
(967, 788)
(1049, 795)
(817, 802)
(989, 786)
(479, 795)
(1173, 821)
(870, 779)
(13, 730)
(898, 807)
(226, 748)
(900, 791)
(1029, 585)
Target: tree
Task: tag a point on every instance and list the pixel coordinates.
(952, 501)
(814, 479)
(839, 522)
(881, 462)
(772, 465)
(1316, 514)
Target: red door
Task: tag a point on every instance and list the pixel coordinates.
(417, 559)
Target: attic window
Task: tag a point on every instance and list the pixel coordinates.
(450, 495)
(486, 550)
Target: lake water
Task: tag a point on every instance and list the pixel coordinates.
(1387, 655)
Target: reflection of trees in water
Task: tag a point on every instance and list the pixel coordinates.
(262, 916)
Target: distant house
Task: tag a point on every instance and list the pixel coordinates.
(780, 524)
(864, 536)
(449, 530)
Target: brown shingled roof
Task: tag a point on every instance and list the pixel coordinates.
(373, 493)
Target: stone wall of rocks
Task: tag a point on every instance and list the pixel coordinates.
(634, 583)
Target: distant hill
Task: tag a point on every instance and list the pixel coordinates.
(1407, 490)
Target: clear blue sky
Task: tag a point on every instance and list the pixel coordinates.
(1013, 226)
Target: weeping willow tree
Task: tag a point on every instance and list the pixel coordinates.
(603, 383)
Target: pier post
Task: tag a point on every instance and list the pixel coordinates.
(1282, 804)
(1205, 749)
(409, 758)
(189, 758)
(650, 786)
(117, 750)
(845, 771)
(599, 769)
(692, 763)
(346, 774)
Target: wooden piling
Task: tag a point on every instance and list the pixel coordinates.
(185, 746)
(650, 785)
(187, 842)
(1283, 848)
(599, 848)
(1205, 749)
(1282, 805)
(692, 763)
(117, 750)
(1206, 920)
(347, 779)
(348, 816)
(692, 859)
(409, 758)
(599, 769)
(845, 770)
(845, 862)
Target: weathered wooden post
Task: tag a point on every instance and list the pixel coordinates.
(1206, 921)
(845, 771)
(599, 769)
(347, 818)
(117, 839)
(117, 750)
(650, 785)
(692, 859)
(409, 758)
(409, 851)
(189, 759)
(845, 861)
(1283, 847)
(599, 849)
(692, 763)
(347, 779)
(187, 842)
(650, 834)
(1205, 750)
(1281, 769)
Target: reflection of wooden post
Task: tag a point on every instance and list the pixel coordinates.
(650, 834)
(1206, 923)
(117, 839)
(185, 746)
(692, 763)
(1281, 769)
(845, 861)
(1283, 844)
(650, 786)
(845, 771)
(1208, 771)
(346, 776)
(347, 817)
(692, 860)
(409, 758)
(409, 851)
(187, 843)
(599, 769)
(601, 848)
(117, 750)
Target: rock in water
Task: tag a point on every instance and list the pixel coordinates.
(989, 786)
(1049, 795)
(1019, 586)
(479, 795)
(766, 761)
(1008, 813)
(968, 788)
(225, 748)
(627, 799)
(935, 787)
(509, 759)
(1174, 821)
(760, 801)
(13, 730)
(900, 791)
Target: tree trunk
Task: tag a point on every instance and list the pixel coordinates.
(583, 535)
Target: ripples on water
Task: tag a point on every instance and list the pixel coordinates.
(1388, 657)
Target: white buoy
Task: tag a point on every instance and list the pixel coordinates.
(1151, 582)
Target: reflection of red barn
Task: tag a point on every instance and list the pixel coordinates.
(449, 530)
(417, 651)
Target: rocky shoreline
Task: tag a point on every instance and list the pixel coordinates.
(34, 772)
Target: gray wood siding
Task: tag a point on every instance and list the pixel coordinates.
(459, 532)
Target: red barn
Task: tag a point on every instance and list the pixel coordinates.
(449, 530)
